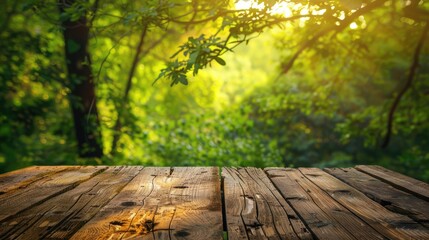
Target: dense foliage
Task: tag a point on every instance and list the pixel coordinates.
(254, 83)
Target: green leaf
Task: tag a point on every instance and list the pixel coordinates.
(193, 57)
(220, 61)
(161, 75)
(183, 79)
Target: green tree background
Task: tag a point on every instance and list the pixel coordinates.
(254, 83)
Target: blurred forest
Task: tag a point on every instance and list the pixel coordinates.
(221, 83)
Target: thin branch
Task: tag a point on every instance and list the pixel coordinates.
(108, 54)
(408, 84)
(94, 13)
(194, 14)
(212, 18)
(337, 28)
(118, 124)
(155, 43)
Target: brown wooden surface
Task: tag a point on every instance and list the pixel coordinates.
(26, 176)
(390, 224)
(393, 199)
(325, 216)
(162, 203)
(36, 193)
(256, 209)
(76, 202)
(402, 182)
(61, 216)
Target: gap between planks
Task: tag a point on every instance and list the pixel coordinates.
(254, 175)
(181, 202)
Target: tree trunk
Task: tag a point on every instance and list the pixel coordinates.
(81, 82)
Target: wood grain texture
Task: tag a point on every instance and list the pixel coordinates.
(14, 202)
(156, 203)
(326, 218)
(387, 223)
(61, 216)
(162, 203)
(114, 219)
(236, 204)
(198, 206)
(256, 210)
(400, 181)
(391, 198)
(22, 178)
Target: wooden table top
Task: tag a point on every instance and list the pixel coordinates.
(134, 202)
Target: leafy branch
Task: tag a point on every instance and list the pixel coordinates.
(200, 52)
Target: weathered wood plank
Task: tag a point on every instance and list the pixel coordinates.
(14, 202)
(391, 225)
(325, 217)
(114, 219)
(23, 177)
(162, 203)
(236, 204)
(198, 204)
(297, 224)
(400, 181)
(256, 210)
(184, 203)
(385, 194)
(61, 216)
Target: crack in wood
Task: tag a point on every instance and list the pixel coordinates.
(117, 223)
(164, 199)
